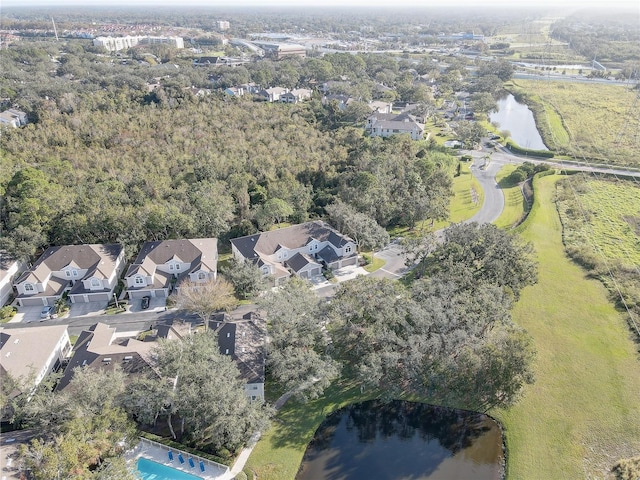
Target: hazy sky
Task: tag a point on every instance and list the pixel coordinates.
(608, 4)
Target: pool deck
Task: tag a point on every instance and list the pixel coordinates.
(160, 453)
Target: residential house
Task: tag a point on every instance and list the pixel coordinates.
(99, 348)
(302, 250)
(13, 118)
(162, 265)
(89, 273)
(272, 94)
(235, 91)
(296, 95)
(9, 270)
(387, 124)
(32, 353)
(378, 106)
(342, 100)
(244, 340)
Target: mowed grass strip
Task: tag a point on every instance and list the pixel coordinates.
(514, 203)
(583, 412)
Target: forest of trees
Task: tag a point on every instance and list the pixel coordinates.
(117, 164)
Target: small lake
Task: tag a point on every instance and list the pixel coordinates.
(518, 119)
(404, 441)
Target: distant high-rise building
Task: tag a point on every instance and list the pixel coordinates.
(223, 25)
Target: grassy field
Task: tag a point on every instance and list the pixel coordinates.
(583, 412)
(584, 120)
(514, 203)
(602, 214)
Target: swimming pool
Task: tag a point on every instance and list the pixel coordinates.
(150, 470)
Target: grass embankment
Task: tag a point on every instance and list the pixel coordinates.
(601, 219)
(585, 120)
(582, 414)
(278, 454)
(514, 202)
(467, 199)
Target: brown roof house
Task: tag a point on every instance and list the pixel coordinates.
(162, 265)
(301, 250)
(244, 340)
(32, 353)
(88, 272)
(99, 348)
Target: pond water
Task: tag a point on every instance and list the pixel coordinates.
(404, 441)
(518, 119)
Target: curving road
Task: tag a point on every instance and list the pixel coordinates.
(487, 163)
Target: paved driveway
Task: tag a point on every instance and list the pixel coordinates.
(27, 315)
(87, 309)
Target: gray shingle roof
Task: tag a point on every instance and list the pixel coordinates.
(199, 252)
(296, 236)
(98, 259)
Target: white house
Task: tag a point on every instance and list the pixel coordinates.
(296, 95)
(272, 94)
(32, 353)
(88, 272)
(9, 269)
(162, 265)
(387, 124)
(302, 250)
(13, 118)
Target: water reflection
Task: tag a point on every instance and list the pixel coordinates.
(518, 119)
(404, 440)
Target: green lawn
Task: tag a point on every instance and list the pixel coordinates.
(278, 454)
(514, 203)
(374, 264)
(583, 412)
(461, 207)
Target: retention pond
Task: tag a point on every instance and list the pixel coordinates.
(404, 441)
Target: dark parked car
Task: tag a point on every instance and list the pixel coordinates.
(145, 302)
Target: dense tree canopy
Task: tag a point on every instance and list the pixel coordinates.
(206, 394)
(297, 350)
(81, 431)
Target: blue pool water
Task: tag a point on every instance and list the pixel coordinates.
(150, 470)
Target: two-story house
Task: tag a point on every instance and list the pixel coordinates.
(161, 266)
(301, 250)
(88, 272)
(98, 347)
(9, 270)
(296, 95)
(272, 94)
(387, 124)
(30, 354)
(243, 339)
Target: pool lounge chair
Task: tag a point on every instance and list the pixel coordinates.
(181, 458)
(170, 453)
(201, 466)
(191, 464)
